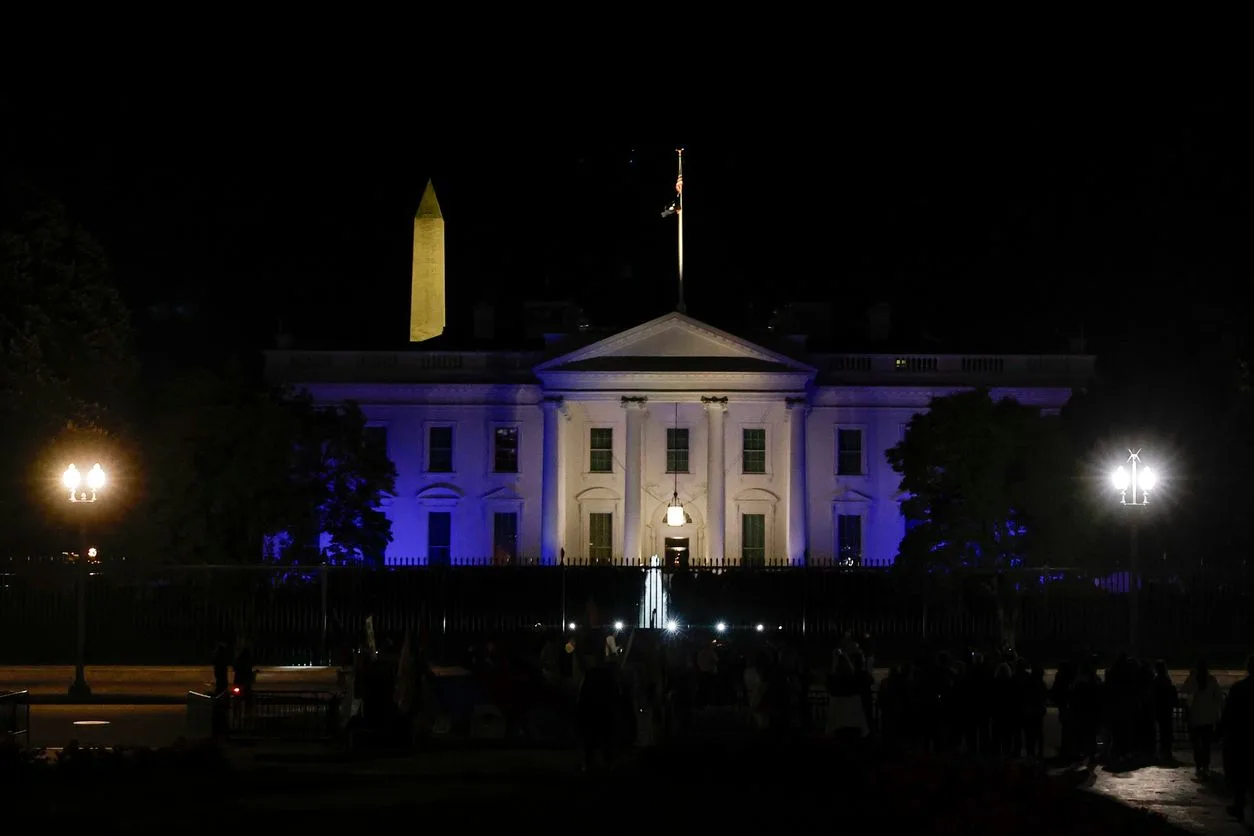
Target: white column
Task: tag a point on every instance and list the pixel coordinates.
(716, 477)
(551, 481)
(632, 492)
(798, 535)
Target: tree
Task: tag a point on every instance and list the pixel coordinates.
(343, 473)
(66, 358)
(988, 490)
(238, 471)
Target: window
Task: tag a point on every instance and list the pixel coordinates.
(849, 452)
(601, 450)
(676, 450)
(753, 454)
(439, 537)
(505, 450)
(504, 537)
(440, 450)
(753, 539)
(376, 440)
(849, 539)
(600, 537)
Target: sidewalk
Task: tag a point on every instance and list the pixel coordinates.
(1174, 793)
(147, 685)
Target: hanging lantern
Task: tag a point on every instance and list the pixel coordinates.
(675, 515)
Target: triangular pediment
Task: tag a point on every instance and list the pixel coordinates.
(674, 342)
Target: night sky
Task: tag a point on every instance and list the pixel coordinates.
(990, 221)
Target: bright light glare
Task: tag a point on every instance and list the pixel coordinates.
(721, 627)
(672, 626)
(72, 478)
(1120, 478)
(95, 477)
(571, 625)
(618, 626)
(675, 516)
(1147, 479)
(91, 552)
(761, 627)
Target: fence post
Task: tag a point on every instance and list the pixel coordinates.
(563, 571)
(326, 651)
(805, 593)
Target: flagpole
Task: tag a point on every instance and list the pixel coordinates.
(679, 188)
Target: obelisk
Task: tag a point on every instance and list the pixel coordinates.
(426, 301)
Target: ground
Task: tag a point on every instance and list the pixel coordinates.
(445, 780)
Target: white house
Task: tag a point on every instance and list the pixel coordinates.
(529, 456)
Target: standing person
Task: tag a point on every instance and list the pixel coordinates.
(221, 667)
(1205, 702)
(1166, 698)
(245, 676)
(1237, 728)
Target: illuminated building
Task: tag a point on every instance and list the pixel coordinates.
(528, 456)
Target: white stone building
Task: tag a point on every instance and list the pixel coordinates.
(528, 456)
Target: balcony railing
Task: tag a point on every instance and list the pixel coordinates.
(1009, 369)
(399, 366)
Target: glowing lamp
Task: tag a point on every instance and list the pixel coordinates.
(571, 625)
(1120, 478)
(761, 627)
(95, 477)
(675, 516)
(72, 478)
(618, 626)
(721, 627)
(1147, 479)
(671, 626)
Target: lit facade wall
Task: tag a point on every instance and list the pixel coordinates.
(633, 383)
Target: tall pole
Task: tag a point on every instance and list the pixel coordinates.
(679, 187)
(79, 688)
(1134, 594)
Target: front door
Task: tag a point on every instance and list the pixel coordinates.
(677, 554)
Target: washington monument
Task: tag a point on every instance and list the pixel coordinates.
(426, 301)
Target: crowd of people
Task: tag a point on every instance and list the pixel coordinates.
(628, 689)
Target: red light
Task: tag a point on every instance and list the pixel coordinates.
(235, 690)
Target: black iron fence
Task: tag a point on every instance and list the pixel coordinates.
(303, 615)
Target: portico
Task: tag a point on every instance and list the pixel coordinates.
(677, 384)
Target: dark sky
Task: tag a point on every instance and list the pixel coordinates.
(1001, 219)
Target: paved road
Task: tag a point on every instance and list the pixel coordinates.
(150, 681)
(107, 725)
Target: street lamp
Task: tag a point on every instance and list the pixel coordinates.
(1134, 481)
(82, 490)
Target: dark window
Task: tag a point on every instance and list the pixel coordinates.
(440, 450)
(504, 537)
(439, 537)
(753, 539)
(601, 448)
(676, 450)
(849, 539)
(505, 450)
(753, 454)
(849, 452)
(600, 537)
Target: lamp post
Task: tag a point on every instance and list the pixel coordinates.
(82, 491)
(1134, 481)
